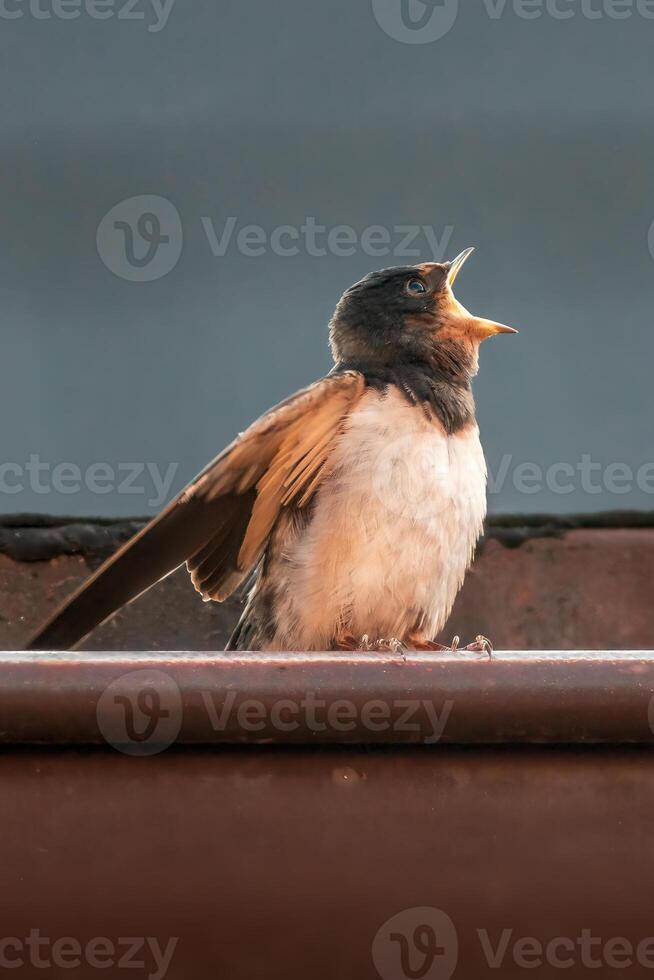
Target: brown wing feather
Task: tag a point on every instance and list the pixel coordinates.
(221, 521)
(297, 452)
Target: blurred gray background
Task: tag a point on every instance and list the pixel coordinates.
(529, 138)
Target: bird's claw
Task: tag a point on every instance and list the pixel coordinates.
(365, 645)
(393, 645)
(481, 644)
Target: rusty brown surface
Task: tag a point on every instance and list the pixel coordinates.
(588, 589)
(278, 864)
(579, 589)
(170, 616)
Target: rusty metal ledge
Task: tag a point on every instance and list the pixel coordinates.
(145, 702)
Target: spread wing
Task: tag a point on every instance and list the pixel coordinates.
(221, 522)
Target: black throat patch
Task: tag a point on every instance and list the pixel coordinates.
(425, 386)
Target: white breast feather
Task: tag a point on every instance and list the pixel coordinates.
(393, 532)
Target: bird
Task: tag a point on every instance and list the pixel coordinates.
(350, 512)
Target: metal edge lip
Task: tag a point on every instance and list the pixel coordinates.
(172, 657)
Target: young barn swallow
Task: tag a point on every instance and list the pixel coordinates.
(357, 503)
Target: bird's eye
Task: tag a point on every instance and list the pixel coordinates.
(414, 287)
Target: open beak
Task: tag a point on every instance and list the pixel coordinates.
(482, 328)
(457, 264)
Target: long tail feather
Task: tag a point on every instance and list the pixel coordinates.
(164, 544)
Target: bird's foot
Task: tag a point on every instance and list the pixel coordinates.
(347, 641)
(480, 644)
(393, 645)
(364, 644)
